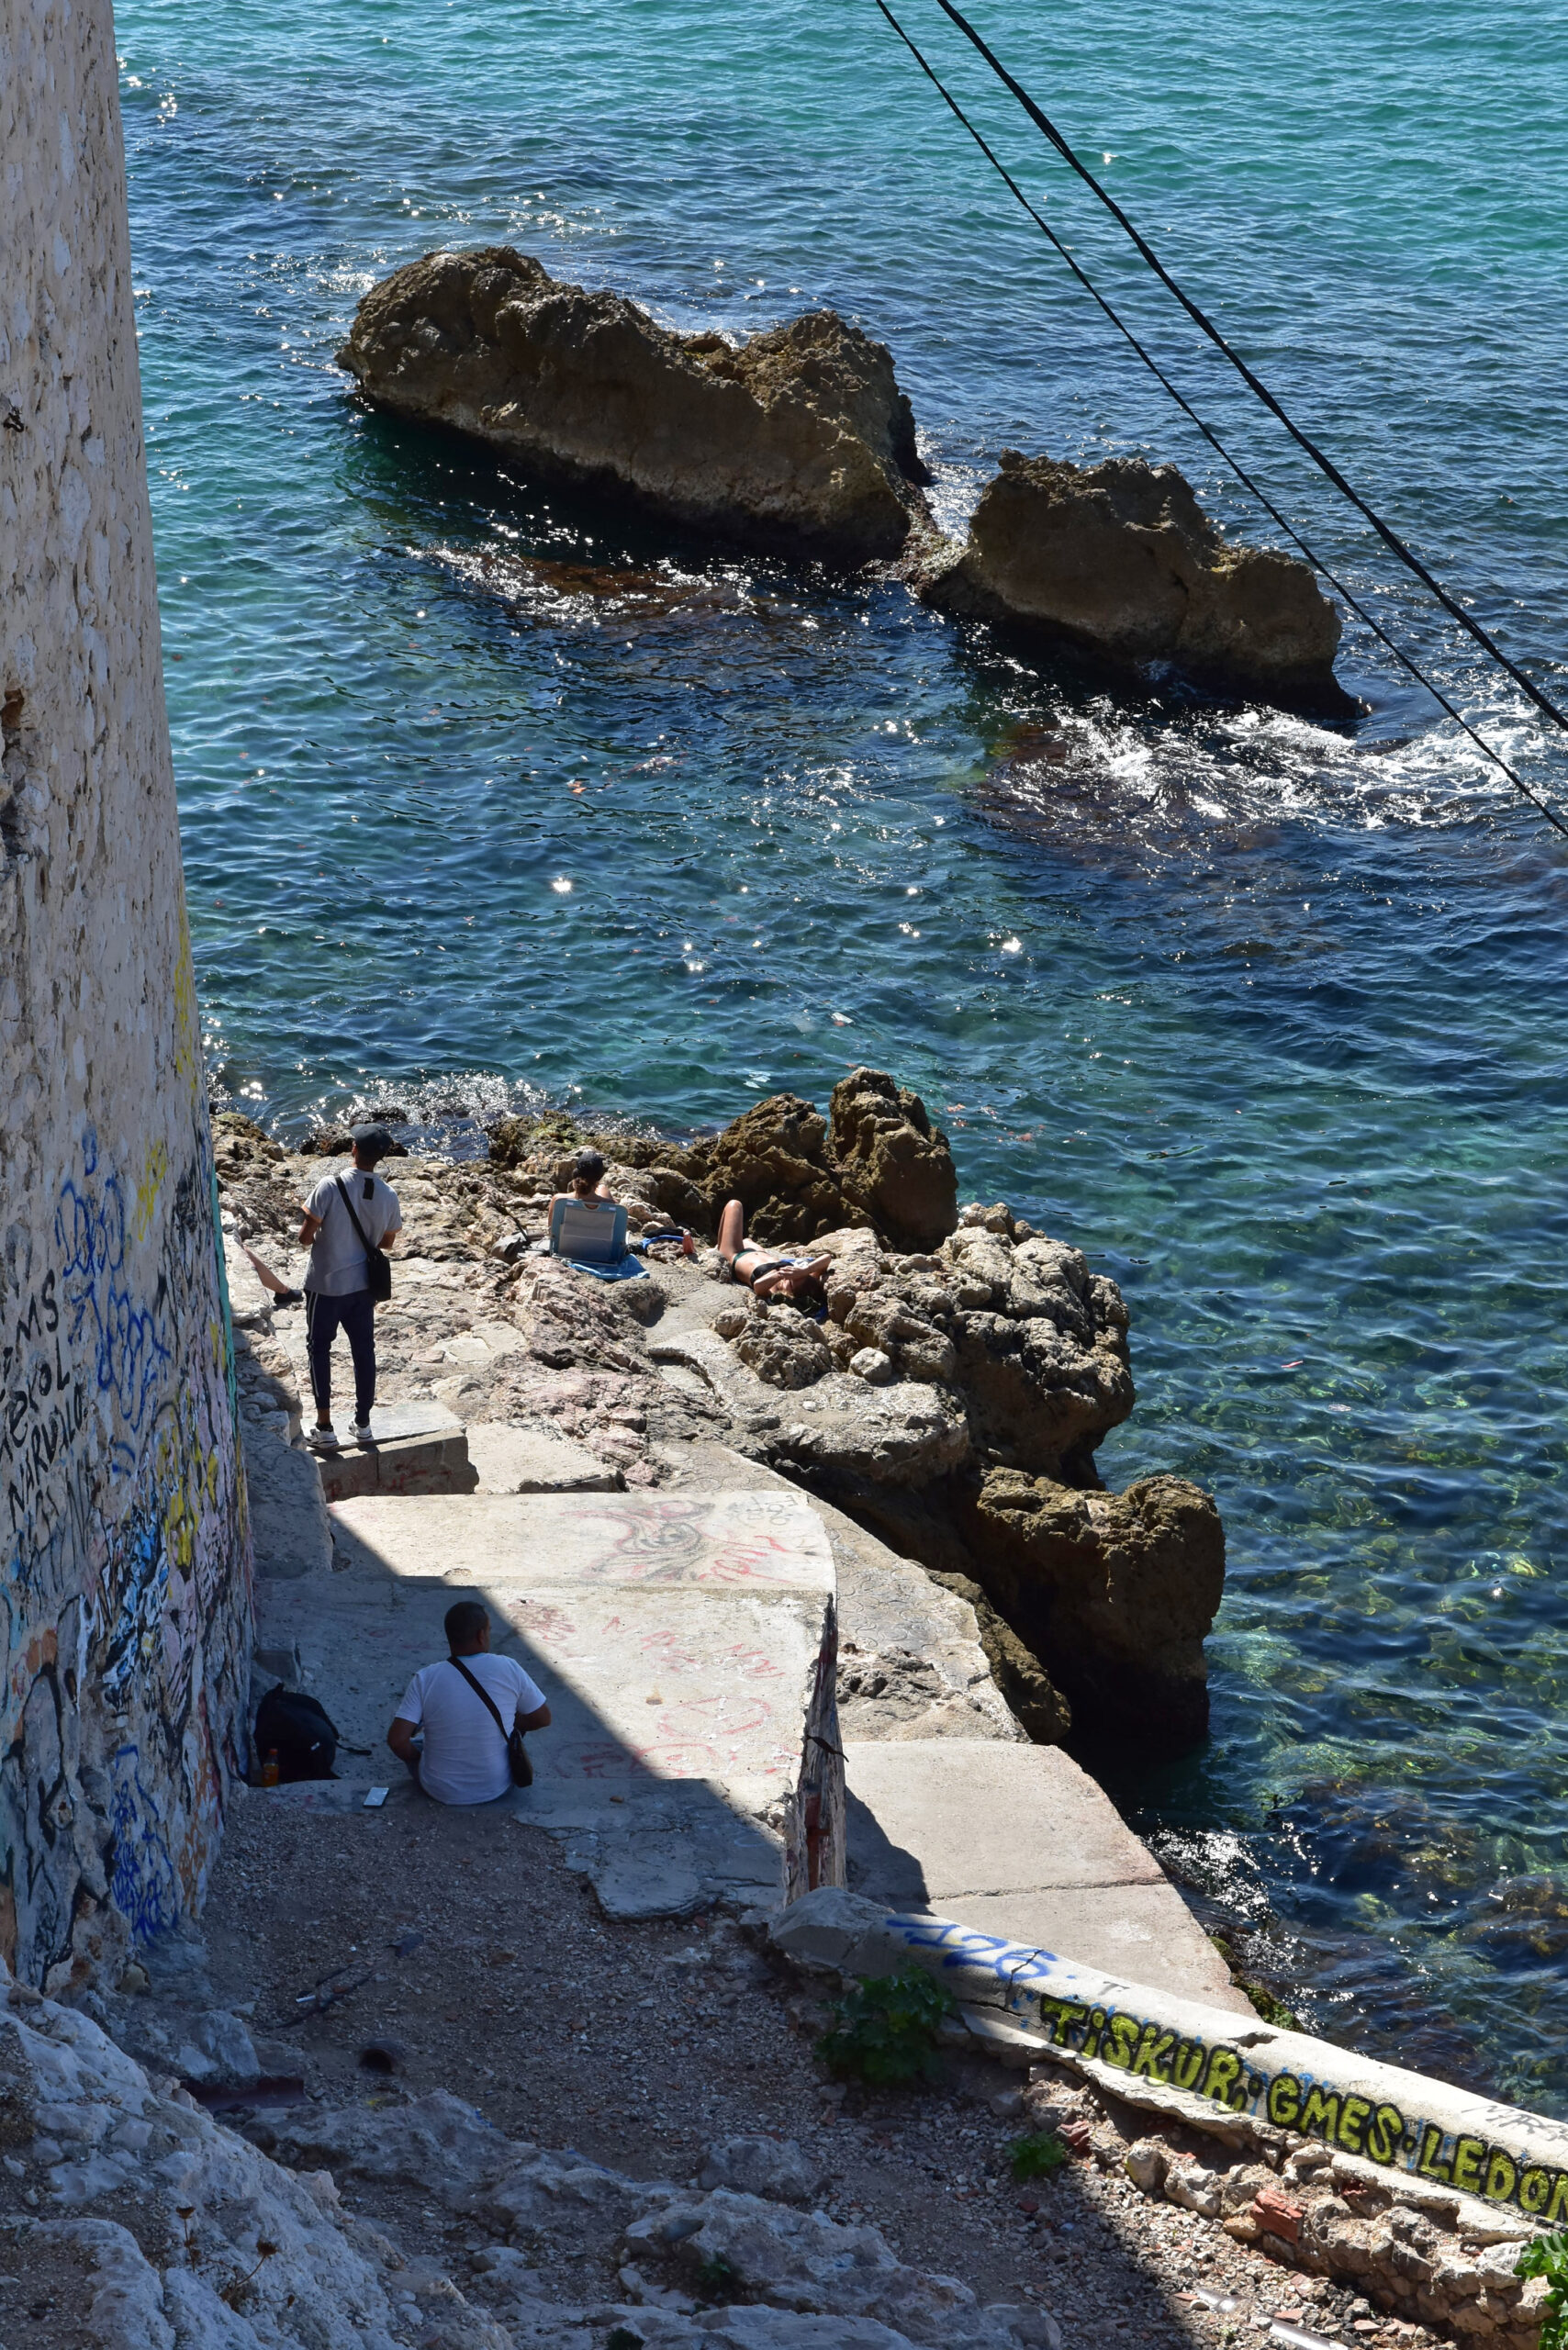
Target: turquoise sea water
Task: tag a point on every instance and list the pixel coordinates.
(489, 796)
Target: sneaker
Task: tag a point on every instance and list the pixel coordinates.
(321, 1440)
(360, 1431)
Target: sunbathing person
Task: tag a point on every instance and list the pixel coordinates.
(588, 1184)
(797, 1277)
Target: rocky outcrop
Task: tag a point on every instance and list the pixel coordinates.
(952, 1402)
(799, 440)
(1120, 562)
(876, 1161)
(1118, 1590)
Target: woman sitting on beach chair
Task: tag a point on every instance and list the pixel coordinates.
(795, 1276)
(586, 1181)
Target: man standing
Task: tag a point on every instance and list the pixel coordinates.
(346, 1216)
(467, 1726)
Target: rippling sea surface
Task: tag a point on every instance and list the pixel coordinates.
(489, 796)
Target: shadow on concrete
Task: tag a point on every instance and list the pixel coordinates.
(880, 1869)
(685, 1644)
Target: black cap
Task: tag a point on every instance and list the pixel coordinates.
(372, 1142)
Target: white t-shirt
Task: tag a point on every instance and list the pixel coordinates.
(465, 1754)
(337, 1256)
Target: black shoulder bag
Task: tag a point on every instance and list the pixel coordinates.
(376, 1261)
(517, 1745)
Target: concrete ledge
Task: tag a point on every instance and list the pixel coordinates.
(510, 1460)
(411, 1449)
(1021, 1841)
(1123, 2034)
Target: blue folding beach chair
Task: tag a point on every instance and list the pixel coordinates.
(593, 1239)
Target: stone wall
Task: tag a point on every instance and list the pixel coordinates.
(124, 1551)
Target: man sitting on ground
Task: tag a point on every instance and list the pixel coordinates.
(464, 1757)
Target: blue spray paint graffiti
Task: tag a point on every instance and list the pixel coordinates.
(145, 1888)
(131, 1352)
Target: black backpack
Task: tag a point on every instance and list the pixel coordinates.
(301, 1733)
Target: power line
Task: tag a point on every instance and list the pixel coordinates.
(1254, 382)
(1210, 435)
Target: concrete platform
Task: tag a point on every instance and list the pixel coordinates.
(411, 1449)
(529, 1460)
(1017, 1841)
(685, 1643)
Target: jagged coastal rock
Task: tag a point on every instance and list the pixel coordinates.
(799, 440)
(952, 1401)
(1120, 562)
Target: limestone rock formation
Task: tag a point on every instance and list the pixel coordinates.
(799, 440)
(1117, 1590)
(876, 1160)
(1009, 1364)
(1119, 561)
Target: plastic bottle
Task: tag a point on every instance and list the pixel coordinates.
(270, 1770)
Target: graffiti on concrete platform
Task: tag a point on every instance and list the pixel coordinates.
(1261, 2073)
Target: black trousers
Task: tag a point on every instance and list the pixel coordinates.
(355, 1316)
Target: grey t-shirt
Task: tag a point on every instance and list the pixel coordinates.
(337, 1260)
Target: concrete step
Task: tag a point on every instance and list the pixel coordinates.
(1017, 1841)
(411, 1449)
(530, 1460)
(685, 1645)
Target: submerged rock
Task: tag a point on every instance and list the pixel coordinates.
(799, 440)
(1120, 561)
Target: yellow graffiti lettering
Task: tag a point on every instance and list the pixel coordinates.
(187, 1024)
(1429, 2165)
(1502, 2177)
(1224, 2066)
(1091, 2037)
(1558, 2207)
(1188, 2064)
(1320, 2113)
(147, 1188)
(1152, 2061)
(1387, 2133)
(1354, 2115)
(1468, 2156)
(1058, 2016)
(1284, 2101)
(1535, 2189)
(1120, 2041)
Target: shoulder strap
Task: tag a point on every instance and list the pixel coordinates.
(480, 1691)
(359, 1227)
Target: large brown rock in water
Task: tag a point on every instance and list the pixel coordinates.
(880, 1162)
(1115, 1592)
(1120, 561)
(799, 440)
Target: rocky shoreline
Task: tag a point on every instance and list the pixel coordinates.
(950, 1402)
(800, 441)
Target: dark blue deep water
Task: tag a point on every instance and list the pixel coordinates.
(489, 798)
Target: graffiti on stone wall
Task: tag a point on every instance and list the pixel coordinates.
(1250, 2078)
(123, 1499)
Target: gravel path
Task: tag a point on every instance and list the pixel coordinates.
(475, 1950)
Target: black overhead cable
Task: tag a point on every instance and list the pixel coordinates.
(1212, 437)
(1254, 382)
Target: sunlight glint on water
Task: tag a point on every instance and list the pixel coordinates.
(1272, 1022)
